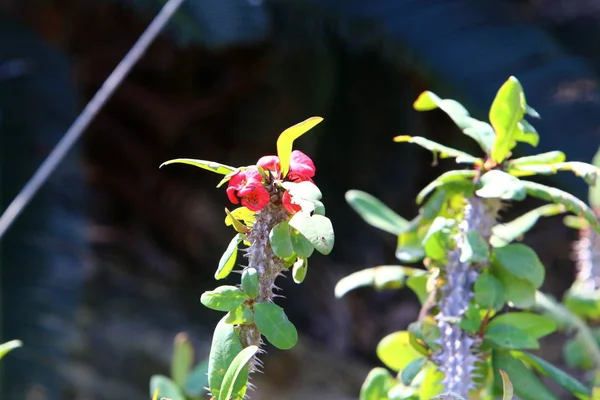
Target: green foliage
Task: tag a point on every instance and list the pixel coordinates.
(6, 347)
(456, 233)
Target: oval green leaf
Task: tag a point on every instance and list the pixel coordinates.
(510, 337)
(534, 325)
(376, 385)
(489, 292)
(227, 261)
(183, 358)
(250, 284)
(520, 261)
(375, 212)
(223, 298)
(275, 325)
(507, 110)
(412, 369)
(498, 184)
(317, 229)
(241, 315)
(9, 346)
(281, 242)
(396, 351)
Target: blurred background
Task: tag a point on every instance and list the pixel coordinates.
(107, 264)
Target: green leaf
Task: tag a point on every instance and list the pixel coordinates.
(510, 337)
(527, 386)
(500, 185)
(550, 157)
(227, 261)
(376, 385)
(576, 223)
(275, 325)
(475, 249)
(519, 292)
(439, 149)
(381, 277)
(418, 284)
(480, 131)
(286, 139)
(520, 261)
(197, 380)
(438, 237)
(572, 203)
(534, 325)
(301, 245)
(507, 387)
(166, 388)
(237, 371)
(281, 242)
(489, 292)
(471, 320)
(225, 347)
(250, 284)
(237, 224)
(543, 367)
(447, 177)
(396, 351)
(223, 298)
(508, 109)
(576, 354)
(299, 269)
(504, 234)
(307, 195)
(412, 369)
(241, 315)
(207, 165)
(375, 213)
(9, 346)
(432, 383)
(410, 247)
(316, 228)
(183, 358)
(241, 214)
(594, 192)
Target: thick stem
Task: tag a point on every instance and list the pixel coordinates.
(458, 354)
(268, 265)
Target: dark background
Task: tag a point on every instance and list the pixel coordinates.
(107, 264)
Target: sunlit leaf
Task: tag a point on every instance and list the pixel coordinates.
(9, 346)
(242, 214)
(396, 352)
(316, 228)
(375, 212)
(507, 110)
(447, 177)
(500, 185)
(432, 383)
(241, 315)
(299, 269)
(280, 240)
(439, 149)
(183, 357)
(227, 261)
(594, 191)
(507, 387)
(475, 248)
(286, 141)
(503, 234)
(551, 157)
(377, 384)
(526, 385)
(572, 203)
(380, 277)
(223, 298)
(207, 165)
(586, 171)
(225, 347)
(520, 261)
(234, 372)
(274, 324)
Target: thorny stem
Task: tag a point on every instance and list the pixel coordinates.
(268, 265)
(458, 354)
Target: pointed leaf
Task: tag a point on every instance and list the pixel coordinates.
(286, 141)
(543, 367)
(9, 346)
(225, 347)
(207, 165)
(237, 224)
(275, 325)
(227, 261)
(504, 234)
(439, 149)
(237, 369)
(572, 203)
(381, 277)
(500, 185)
(316, 228)
(183, 358)
(240, 214)
(223, 298)
(280, 240)
(586, 171)
(375, 212)
(506, 112)
(526, 385)
(165, 387)
(551, 157)
(534, 325)
(507, 387)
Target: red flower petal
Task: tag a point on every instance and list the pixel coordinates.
(301, 166)
(255, 198)
(288, 205)
(269, 162)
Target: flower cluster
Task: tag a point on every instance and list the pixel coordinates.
(249, 185)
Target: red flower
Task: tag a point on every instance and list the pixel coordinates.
(302, 167)
(247, 185)
(288, 205)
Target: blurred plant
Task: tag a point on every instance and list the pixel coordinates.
(461, 340)
(281, 221)
(6, 347)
